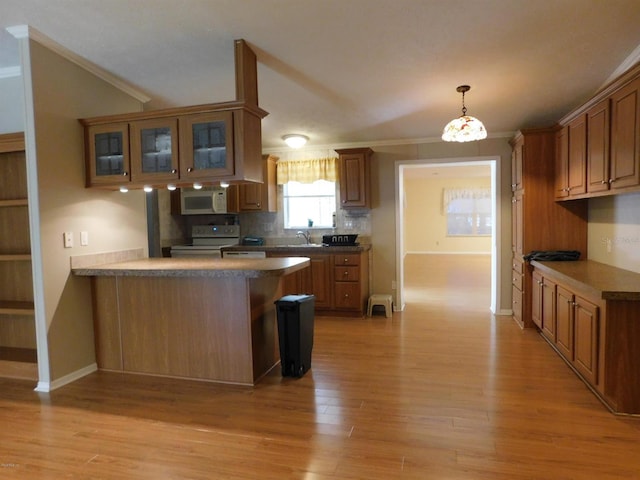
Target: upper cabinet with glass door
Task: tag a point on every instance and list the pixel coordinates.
(206, 142)
(154, 150)
(108, 154)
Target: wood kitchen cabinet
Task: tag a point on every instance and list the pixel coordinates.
(107, 154)
(257, 197)
(17, 321)
(625, 137)
(602, 140)
(154, 146)
(355, 177)
(577, 331)
(338, 279)
(208, 143)
(597, 334)
(538, 221)
(598, 159)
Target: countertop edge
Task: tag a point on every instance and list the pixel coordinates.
(599, 288)
(240, 268)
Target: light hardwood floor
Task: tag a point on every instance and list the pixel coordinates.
(440, 391)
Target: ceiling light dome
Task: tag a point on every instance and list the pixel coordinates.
(295, 140)
(464, 128)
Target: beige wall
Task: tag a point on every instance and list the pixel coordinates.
(425, 222)
(62, 93)
(384, 222)
(614, 230)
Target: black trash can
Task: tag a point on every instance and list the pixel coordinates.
(295, 333)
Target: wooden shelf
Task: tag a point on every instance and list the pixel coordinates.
(13, 354)
(12, 257)
(18, 202)
(16, 308)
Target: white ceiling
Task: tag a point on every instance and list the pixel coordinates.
(352, 71)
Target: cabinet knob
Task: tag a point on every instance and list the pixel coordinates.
(346, 260)
(514, 185)
(346, 295)
(344, 201)
(174, 171)
(611, 180)
(575, 304)
(190, 169)
(603, 182)
(124, 174)
(258, 204)
(346, 274)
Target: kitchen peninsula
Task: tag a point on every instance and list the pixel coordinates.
(207, 319)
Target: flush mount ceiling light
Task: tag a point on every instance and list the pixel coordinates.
(464, 128)
(295, 140)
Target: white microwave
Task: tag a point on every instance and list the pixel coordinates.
(205, 201)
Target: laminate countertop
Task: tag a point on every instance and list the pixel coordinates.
(302, 249)
(603, 281)
(197, 267)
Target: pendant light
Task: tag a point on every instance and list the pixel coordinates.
(465, 128)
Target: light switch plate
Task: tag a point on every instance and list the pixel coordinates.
(84, 239)
(68, 239)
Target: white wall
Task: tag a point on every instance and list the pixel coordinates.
(11, 104)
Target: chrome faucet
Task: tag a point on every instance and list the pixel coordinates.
(306, 235)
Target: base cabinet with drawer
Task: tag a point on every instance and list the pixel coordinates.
(339, 281)
(593, 309)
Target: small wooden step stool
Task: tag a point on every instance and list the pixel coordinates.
(380, 299)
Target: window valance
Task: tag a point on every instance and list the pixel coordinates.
(307, 170)
(451, 194)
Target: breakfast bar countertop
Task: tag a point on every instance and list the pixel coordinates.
(197, 267)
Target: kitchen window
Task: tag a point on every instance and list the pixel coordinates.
(468, 212)
(308, 191)
(309, 204)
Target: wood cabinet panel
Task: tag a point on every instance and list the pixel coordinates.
(536, 299)
(625, 136)
(577, 156)
(516, 165)
(564, 322)
(347, 295)
(346, 274)
(321, 280)
(586, 316)
(355, 177)
(598, 148)
(548, 308)
(108, 158)
(562, 163)
(260, 197)
(154, 150)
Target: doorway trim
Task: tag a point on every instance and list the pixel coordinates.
(493, 162)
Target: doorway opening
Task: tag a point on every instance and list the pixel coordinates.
(430, 178)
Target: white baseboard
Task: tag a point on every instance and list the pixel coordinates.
(504, 311)
(71, 377)
(421, 252)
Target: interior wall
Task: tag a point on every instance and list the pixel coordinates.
(62, 93)
(384, 223)
(425, 222)
(614, 230)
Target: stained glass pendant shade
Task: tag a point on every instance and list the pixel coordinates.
(464, 128)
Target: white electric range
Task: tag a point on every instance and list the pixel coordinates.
(208, 240)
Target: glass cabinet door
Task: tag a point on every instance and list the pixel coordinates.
(108, 154)
(154, 150)
(206, 145)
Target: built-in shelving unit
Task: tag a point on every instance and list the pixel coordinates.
(17, 322)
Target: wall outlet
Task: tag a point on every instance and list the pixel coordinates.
(68, 239)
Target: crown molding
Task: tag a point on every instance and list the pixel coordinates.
(26, 31)
(628, 62)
